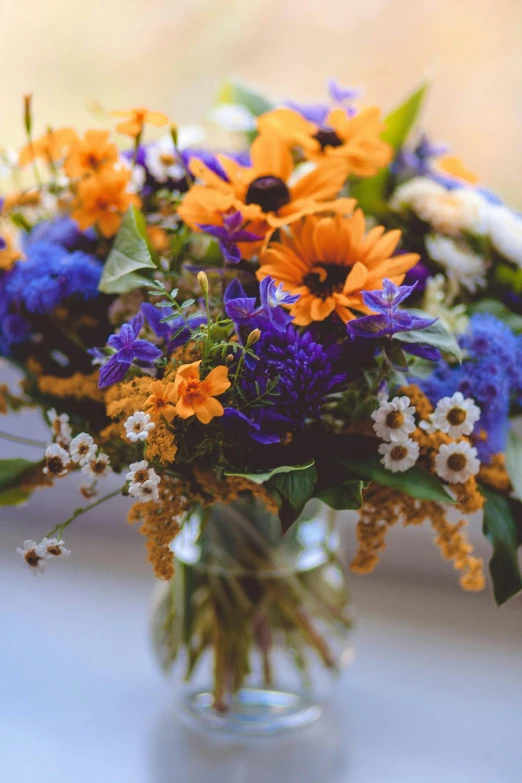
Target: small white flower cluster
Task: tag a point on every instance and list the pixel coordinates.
(138, 426)
(143, 481)
(81, 451)
(36, 555)
(394, 422)
(459, 262)
(505, 233)
(456, 416)
(163, 159)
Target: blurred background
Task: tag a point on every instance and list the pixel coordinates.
(173, 56)
(434, 691)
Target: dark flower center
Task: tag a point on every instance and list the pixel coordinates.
(54, 465)
(328, 138)
(271, 193)
(31, 558)
(98, 466)
(54, 550)
(398, 453)
(456, 416)
(141, 476)
(457, 462)
(394, 420)
(328, 279)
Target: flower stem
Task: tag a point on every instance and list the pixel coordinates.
(25, 441)
(79, 511)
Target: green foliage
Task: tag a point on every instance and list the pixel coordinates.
(371, 192)
(343, 497)
(500, 529)
(129, 253)
(13, 469)
(436, 335)
(14, 496)
(500, 311)
(514, 461)
(260, 478)
(414, 482)
(292, 490)
(235, 92)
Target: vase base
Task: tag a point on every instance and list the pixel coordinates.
(253, 711)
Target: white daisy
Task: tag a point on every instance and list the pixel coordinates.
(460, 264)
(456, 416)
(61, 427)
(52, 547)
(399, 455)
(146, 491)
(32, 557)
(394, 419)
(138, 426)
(449, 211)
(456, 462)
(162, 158)
(139, 473)
(82, 448)
(98, 466)
(505, 232)
(56, 460)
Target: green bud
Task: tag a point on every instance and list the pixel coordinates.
(253, 337)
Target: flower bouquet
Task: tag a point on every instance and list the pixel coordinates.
(318, 318)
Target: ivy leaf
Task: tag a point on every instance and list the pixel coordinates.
(343, 497)
(371, 192)
(260, 478)
(415, 482)
(514, 461)
(13, 469)
(436, 335)
(292, 490)
(500, 529)
(130, 252)
(235, 92)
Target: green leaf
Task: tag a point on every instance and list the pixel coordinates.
(12, 469)
(500, 529)
(130, 252)
(292, 490)
(499, 310)
(514, 461)
(343, 497)
(260, 478)
(436, 335)
(415, 482)
(235, 92)
(14, 496)
(371, 192)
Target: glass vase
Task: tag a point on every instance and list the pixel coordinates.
(255, 625)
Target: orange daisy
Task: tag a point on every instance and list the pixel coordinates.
(354, 143)
(103, 199)
(329, 261)
(162, 401)
(196, 396)
(135, 119)
(265, 192)
(52, 146)
(90, 154)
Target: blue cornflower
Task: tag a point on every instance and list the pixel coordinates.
(129, 348)
(243, 309)
(390, 320)
(229, 234)
(175, 332)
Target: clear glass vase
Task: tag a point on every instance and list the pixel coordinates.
(255, 625)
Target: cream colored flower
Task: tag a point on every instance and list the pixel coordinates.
(460, 264)
(52, 547)
(32, 557)
(56, 460)
(505, 232)
(457, 462)
(456, 415)
(399, 455)
(138, 426)
(82, 448)
(98, 466)
(394, 419)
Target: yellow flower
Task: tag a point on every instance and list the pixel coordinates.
(162, 401)
(329, 261)
(196, 396)
(135, 119)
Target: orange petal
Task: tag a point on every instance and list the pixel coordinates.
(217, 381)
(184, 408)
(205, 410)
(357, 278)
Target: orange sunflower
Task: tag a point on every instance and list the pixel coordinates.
(196, 396)
(329, 261)
(103, 199)
(90, 154)
(353, 143)
(135, 119)
(265, 192)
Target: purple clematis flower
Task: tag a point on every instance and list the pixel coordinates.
(175, 332)
(128, 349)
(229, 234)
(389, 320)
(317, 113)
(243, 311)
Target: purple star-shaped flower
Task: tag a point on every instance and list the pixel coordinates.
(175, 332)
(242, 309)
(229, 234)
(389, 320)
(128, 349)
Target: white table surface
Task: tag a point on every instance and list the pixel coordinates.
(434, 694)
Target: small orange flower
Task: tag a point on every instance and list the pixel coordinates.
(196, 396)
(162, 401)
(90, 154)
(136, 119)
(52, 146)
(103, 199)
(9, 254)
(329, 261)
